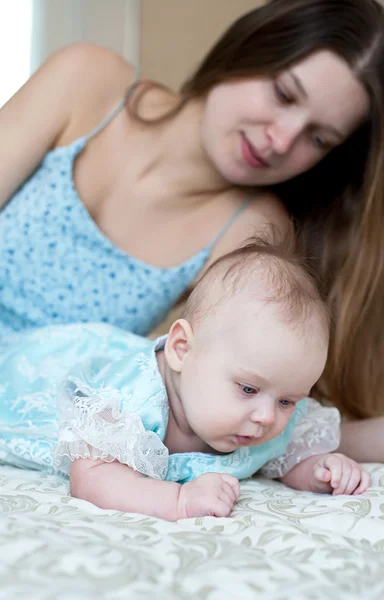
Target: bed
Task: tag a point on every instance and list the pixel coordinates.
(278, 544)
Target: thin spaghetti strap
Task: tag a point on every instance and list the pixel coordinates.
(230, 222)
(117, 109)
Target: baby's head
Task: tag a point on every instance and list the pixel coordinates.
(252, 343)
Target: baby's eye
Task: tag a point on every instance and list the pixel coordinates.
(248, 390)
(287, 403)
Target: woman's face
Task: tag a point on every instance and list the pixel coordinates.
(267, 130)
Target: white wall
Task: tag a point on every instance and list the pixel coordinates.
(111, 23)
(15, 45)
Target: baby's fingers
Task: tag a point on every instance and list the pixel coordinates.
(365, 483)
(229, 491)
(233, 482)
(322, 474)
(221, 508)
(354, 480)
(334, 463)
(346, 472)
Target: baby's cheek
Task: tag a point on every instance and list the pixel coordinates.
(214, 425)
(280, 425)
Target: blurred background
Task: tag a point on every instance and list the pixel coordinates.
(166, 37)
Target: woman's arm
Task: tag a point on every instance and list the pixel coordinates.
(363, 440)
(69, 94)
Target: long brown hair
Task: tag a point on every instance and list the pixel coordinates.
(339, 204)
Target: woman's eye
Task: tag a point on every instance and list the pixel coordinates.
(319, 142)
(282, 95)
(248, 390)
(286, 403)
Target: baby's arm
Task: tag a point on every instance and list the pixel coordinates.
(118, 487)
(328, 473)
(309, 462)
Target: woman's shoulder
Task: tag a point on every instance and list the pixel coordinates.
(266, 207)
(263, 214)
(100, 78)
(94, 67)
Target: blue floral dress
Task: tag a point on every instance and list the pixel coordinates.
(57, 266)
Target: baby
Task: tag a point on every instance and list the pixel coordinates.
(167, 428)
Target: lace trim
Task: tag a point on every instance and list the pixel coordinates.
(92, 426)
(317, 433)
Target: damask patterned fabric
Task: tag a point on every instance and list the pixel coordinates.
(278, 544)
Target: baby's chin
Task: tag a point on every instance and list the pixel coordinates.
(230, 444)
(221, 447)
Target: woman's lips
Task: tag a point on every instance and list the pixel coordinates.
(251, 156)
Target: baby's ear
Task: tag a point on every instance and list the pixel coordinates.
(178, 343)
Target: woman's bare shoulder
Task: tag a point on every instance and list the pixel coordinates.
(267, 207)
(264, 214)
(101, 78)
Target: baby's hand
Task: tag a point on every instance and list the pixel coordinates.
(338, 474)
(211, 494)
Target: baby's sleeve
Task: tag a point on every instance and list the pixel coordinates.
(318, 432)
(92, 425)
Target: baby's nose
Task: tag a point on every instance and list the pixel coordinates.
(265, 413)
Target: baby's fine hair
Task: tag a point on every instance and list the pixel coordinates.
(274, 273)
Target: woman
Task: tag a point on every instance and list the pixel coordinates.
(283, 116)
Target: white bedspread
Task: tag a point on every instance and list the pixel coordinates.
(279, 544)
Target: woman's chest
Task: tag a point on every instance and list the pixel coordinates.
(56, 266)
(141, 216)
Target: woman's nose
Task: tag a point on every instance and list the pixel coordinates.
(284, 134)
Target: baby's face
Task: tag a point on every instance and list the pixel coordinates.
(242, 377)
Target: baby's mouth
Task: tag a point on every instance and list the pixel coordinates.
(245, 440)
